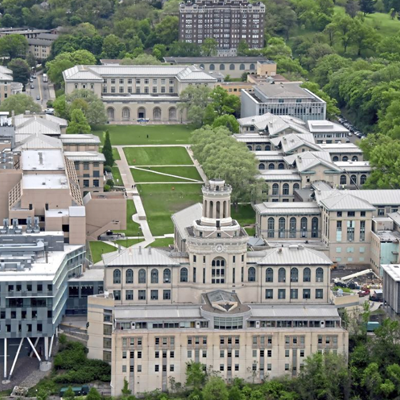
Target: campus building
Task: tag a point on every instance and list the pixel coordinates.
(7, 86)
(351, 227)
(136, 93)
(228, 22)
(391, 286)
(34, 270)
(40, 45)
(245, 314)
(285, 98)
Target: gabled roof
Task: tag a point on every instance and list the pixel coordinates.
(310, 159)
(39, 142)
(294, 255)
(81, 72)
(185, 218)
(81, 138)
(293, 141)
(136, 257)
(38, 125)
(339, 200)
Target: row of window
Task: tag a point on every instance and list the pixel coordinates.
(138, 90)
(166, 295)
(294, 294)
(138, 81)
(292, 228)
(353, 179)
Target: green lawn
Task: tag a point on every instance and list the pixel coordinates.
(250, 231)
(128, 242)
(165, 242)
(132, 228)
(245, 214)
(149, 176)
(99, 248)
(137, 134)
(185, 172)
(157, 156)
(117, 177)
(161, 201)
(116, 154)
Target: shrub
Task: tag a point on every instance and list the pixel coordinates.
(107, 168)
(107, 188)
(110, 182)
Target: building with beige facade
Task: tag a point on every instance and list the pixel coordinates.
(244, 314)
(40, 46)
(352, 227)
(7, 86)
(133, 93)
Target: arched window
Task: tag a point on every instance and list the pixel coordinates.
(303, 226)
(281, 166)
(232, 67)
(319, 275)
(252, 274)
(282, 275)
(242, 67)
(292, 230)
(285, 189)
(117, 276)
(142, 276)
(172, 114)
(110, 114)
(271, 227)
(335, 158)
(353, 179)
(363, 178)
(271, 166)
(345, 158)
(269, 276)
(184, 275)
(343, 179)
(354, 158)
(129, 276)
(218, 270)
(167, 275)
(252, 67)
(267, 147)
(126, 114)
(314, 227)
(294, 275)
(258, 148)
(157, 114)
(307, 275)
(261, 166)
(222, 67)
(212, 67)
(296, 186)
(275, 189)
(154, 276)
(282, 224)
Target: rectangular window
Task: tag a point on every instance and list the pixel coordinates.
(154, 295)
(319, 293)
(281, 294)
(129, 295)
(294, 293)
(142, 295)
(166, 295)
(117, 295)
(351, 214)
(269, 294)
(306, 293)
(156, 368)
(350, 231)
(362, 231)
(338, 231)
(287, 353)
(269, 353)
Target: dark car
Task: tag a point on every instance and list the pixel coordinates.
(37, 97)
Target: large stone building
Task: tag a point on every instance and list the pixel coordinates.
(7, 86)
(133, 93)
(228, 22)
(245, 314)
(283, 99)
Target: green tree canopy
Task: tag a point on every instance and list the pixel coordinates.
(331, 104)
(78, 122)
(21, 70)
(215, 389)
(19, 103)
(209, 47)
(13, 46)
(107, 151)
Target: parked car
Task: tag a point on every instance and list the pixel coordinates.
(49, 111)
(37, 97)
(377, 296)
(364, 292)
(32, 86)
(353, 286)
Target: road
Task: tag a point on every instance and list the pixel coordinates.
(40, 89)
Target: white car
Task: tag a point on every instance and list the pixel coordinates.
(49, 111)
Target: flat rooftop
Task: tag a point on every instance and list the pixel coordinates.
(388, 236)
(45, 181)
(316, 126)
(284, 91)
(42, 160)
(393, 270)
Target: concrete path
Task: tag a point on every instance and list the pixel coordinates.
(160, 166)
(165, 174)
(131, 190)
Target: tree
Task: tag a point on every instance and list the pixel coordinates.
(367, 6)
(142, 59)
(209, 47)
(215, 389)
(327, 65)
(112, 46)
(69, 394)
(85, 100)
(243, 48)
(67, 60)
(19, 103)
(93, 394)
(125, 390)
(78, 122)
(194, 99)
(107, 151)
(20, 69)
(195, 375)
(13, 46)
(167, 30)
(183, 49)
(222, 156)
(277, 47)
(352, 7)
(228, 121)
